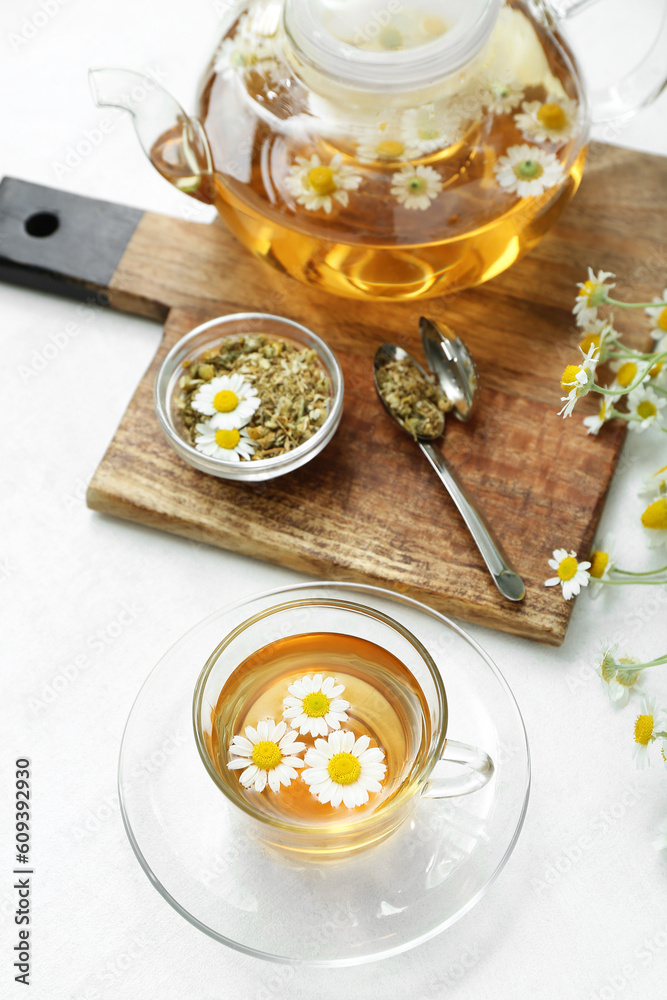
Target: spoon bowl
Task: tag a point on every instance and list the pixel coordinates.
(505, 577)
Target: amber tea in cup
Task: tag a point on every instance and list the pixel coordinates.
(321, 720)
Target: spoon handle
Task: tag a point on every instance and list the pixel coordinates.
(506, 579)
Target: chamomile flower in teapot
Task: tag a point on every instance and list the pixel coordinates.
(383, 149)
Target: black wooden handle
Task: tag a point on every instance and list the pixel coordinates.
(60, 242)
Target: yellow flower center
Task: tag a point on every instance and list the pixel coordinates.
(344, 768)
(607, 668)
(316, 705)
(227, 439)
(627, 677)
(567, 568)
(569, 377)
(586, 289)
(416, 185)
(428, 133)
(605, 410)
(390, 148)
(655, 515)
(592, 340)
(266, 754)
(225, 401)
(528, 170)
(655, 370)
(599, 563)
(644, 729)
(322, 180)
(662, 319)
(646, 410)
(626, 374)
(552, 117)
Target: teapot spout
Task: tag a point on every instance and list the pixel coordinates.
(175, 144)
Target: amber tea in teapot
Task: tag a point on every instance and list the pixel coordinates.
(389, 151)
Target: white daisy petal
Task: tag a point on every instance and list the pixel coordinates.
(251, 735)
(347, 741)
(360, 745)
(249, 775)
(261, 780)
(339, 705)
(349, 796)
(238, 763)
(262, 730)
(344, 781)
(293, 761)
(337, 795)
(315, 775)
(274, 780)
(241, 745)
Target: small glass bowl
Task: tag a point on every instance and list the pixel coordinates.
(209, 335)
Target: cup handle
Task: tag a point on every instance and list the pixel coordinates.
(478, 770)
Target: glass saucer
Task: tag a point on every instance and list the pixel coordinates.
(200, 855)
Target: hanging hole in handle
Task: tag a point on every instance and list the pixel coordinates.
(41, 224)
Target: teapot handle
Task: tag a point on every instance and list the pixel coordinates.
(638, 88)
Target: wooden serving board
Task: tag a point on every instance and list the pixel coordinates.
(369, 508)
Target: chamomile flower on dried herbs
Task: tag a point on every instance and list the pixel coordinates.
(414, 400)
(281, 392)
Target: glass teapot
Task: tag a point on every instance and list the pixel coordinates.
(383, 149)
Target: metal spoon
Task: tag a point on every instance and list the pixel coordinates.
(506, 579)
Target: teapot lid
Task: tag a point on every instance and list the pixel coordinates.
(406, 44)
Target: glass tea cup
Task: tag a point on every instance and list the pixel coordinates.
(407, 703)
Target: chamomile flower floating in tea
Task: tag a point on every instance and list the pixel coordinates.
(229, 445)
(644, 408)
(316, 185)
(554, 120)
(528, 171)
(268, 755)
(229, 399)
(503, 97)
(314, 705)
(342, 770)
(571, 575)
(384, 143)
(416, 187)
(423, 133)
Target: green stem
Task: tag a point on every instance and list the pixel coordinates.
(633, 385)
(633, 305)
(648, 572)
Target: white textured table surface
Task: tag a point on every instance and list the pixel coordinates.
(90, 603)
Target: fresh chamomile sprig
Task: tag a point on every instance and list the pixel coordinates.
(640, 378)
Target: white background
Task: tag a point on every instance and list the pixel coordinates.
(578, 912)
